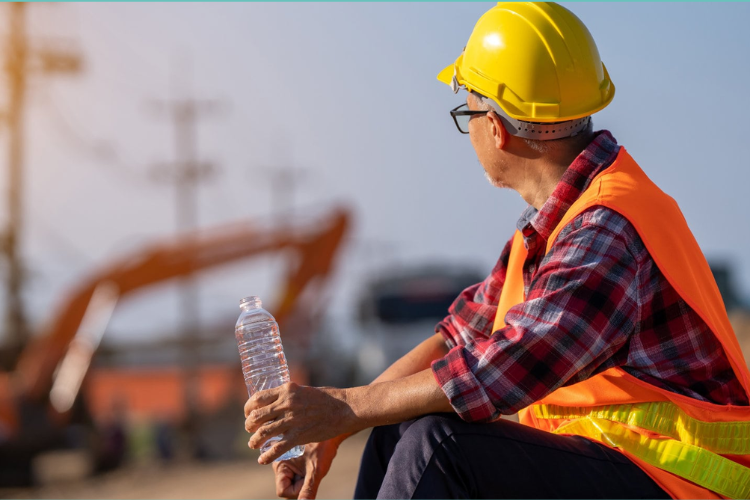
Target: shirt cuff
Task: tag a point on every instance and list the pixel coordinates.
(464, 391)
(443, 328)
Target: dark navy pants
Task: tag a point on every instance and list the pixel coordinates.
(441, 456)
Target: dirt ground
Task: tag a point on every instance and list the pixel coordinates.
(232, 479)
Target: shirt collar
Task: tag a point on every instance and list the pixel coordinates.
(597, 156)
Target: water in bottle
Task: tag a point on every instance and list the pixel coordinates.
(263, 362)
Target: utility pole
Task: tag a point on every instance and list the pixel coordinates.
(284, 182)
(21, 62)
(186, 172)
(282, 179)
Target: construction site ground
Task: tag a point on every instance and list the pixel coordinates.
(192, 479)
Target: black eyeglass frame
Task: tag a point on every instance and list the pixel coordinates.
(468, 112)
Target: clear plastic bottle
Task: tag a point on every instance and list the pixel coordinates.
(263, 361)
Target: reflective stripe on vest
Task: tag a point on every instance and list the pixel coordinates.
(699, 465)
(655, 427)
(664, 418)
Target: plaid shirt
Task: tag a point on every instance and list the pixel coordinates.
(595, 301)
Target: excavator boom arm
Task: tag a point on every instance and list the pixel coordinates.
(182, 256)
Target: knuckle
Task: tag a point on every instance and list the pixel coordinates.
(289, 434)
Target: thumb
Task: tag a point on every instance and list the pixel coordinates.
(310, 486)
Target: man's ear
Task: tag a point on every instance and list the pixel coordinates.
(498, 130)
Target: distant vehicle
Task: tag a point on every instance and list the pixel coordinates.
(400, 309)
(724, 275)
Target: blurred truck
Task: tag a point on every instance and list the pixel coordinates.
(399, 309)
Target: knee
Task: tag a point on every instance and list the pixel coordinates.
(382, 441)
(384, 434)
(429, 431)
(425, 451)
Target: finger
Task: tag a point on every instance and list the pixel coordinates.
(261, 399)
(275, 451)
(287, 480)
(261, 416)
(295, 484)
(283, 483)
(310, 486)
(282, 486)
(267, 431)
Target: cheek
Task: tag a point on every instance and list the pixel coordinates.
(478, 139)
(481, 144)
(474, 141)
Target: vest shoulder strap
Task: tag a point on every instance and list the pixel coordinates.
(626, 189)
(513, 288)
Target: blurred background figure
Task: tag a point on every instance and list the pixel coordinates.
(162, 161)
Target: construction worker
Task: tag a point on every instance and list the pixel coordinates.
(600, 324)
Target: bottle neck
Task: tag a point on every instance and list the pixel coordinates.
(251, 302)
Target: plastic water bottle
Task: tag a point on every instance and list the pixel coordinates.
(263, 361)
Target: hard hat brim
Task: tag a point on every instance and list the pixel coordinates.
(446, 76)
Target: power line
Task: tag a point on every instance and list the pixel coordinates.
(101, 150)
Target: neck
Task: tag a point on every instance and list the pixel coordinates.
(539, 181)
(540, 174)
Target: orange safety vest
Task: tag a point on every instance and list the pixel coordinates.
(691, 448)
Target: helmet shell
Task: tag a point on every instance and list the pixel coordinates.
(538, 61)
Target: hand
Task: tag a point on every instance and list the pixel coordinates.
(300, 477)
(299, 414)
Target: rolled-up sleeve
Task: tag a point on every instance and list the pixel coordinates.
(473, 312)
(581, 308)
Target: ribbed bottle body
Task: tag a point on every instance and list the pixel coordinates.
(263, 361)
(262, 355)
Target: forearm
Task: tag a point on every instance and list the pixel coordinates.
(314, 415)
(415, 361)
(397, 400)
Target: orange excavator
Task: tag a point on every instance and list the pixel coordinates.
(51, 367)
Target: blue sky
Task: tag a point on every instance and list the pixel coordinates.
(348, 92)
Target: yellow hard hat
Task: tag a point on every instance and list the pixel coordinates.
(537, 61)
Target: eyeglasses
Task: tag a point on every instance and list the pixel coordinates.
(462, 117)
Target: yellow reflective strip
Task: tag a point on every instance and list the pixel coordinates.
(695, 464)
(664, 418)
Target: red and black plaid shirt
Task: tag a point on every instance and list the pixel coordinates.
(595, 301)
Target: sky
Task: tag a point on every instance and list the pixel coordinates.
(348, 93)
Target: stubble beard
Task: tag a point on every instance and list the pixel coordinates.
(495, 182)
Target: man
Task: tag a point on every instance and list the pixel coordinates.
(600, 323)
